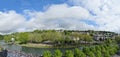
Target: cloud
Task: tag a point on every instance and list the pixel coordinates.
(10, 21)
(59, 17)
(82, 15)
(105, 13)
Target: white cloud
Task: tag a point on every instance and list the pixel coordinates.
(60, 16)
(104, 13)
(10, 21)
(107, 12)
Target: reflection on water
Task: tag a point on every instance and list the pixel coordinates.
(40, 51)
(10, 47)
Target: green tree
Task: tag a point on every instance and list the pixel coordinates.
(23, 38)
(98, 53)
(1, 37)
(79, 53)
(69, 53)
(7, 38)
(108, 41)
(57, 37)
(86, 50)
(93, 49)
(88, 38)
(91, 54)
(111, 51)
(98, 47)
(103, 49)
(58, 53)
(106, 54)
(117, 38)
(35, 37)
(47, 54)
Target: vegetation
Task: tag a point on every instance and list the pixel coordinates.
(56, 38)
(69, 53)
(79, 53)
(98, 53)
(57, 53)
(102, 50)
(47, 54)
(107, 48)
(86, 52)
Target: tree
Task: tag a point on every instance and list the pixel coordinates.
(98, 53)
(98, 47)
(111, 51)
(76, 37)
(106, 54)
(58, 53)
(1, 37)
(57, 37)
(91, 54)
(23, 38)
(108, 41)
(117, 38)
(35, 38)
(37, 31)
(88, 38)
(69, 53)
(79, 53)
(47, 54)
(67, 39)
(93, 49)
(86, 50)
(66, 32)
(103, 50)
(7, 38)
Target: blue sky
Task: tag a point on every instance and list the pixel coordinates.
(28, 15)
(20, 5)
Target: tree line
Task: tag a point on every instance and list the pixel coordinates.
(55, 37)
(93, 51)
(107, 49)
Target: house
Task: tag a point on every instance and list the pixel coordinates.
(101, 36)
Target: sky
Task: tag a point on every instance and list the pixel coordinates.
(29, 15)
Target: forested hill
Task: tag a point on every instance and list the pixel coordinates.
(55, 36)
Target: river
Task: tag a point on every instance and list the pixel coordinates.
(27, 50)
(15, 49)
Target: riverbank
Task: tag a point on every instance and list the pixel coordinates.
(37, 45)
(41, 45)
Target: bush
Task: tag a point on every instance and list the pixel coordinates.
(47, 54)
(86, 50)
(91, 54)
(106, 54)
(98, 53)
(93, 49)
(58, 53)
(79, 53)
(69, 53)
